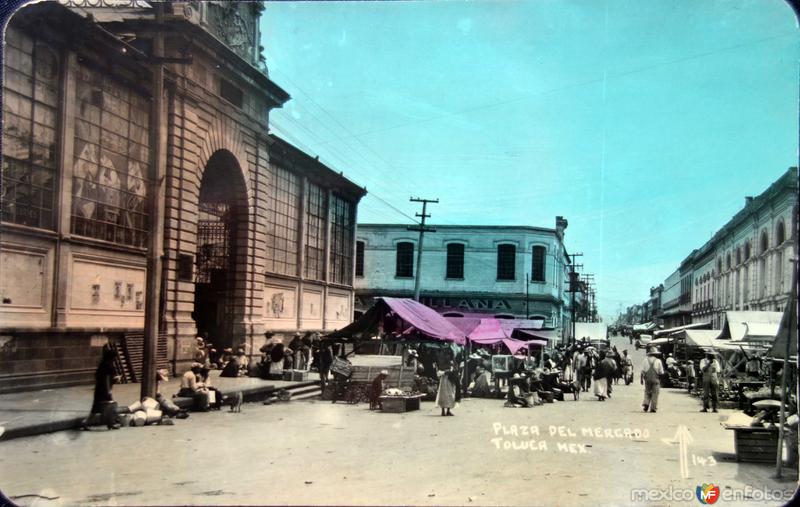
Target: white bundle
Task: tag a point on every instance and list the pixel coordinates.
(139, 418)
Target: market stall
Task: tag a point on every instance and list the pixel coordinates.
(409, 325)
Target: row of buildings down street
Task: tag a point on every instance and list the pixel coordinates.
(745, 266)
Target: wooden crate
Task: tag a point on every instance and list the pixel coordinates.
(756, 445)
(400, 404)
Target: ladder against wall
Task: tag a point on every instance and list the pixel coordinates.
(130, 353)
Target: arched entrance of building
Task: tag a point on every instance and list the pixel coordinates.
(221, 250)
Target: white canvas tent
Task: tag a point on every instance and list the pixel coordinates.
(739, 326)
(701, 337)
(591, 330)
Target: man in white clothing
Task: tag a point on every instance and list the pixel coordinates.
(650, 376)
(710, 369)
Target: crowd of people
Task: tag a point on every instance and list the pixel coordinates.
(441, 371)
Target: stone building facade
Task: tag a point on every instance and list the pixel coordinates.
(492, 270)
(752, 266)
(257, 236)
(745, 266)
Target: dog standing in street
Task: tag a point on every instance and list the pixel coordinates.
(236, 401)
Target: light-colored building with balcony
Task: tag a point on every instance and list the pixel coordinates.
(517, 271)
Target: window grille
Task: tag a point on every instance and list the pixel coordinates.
(341, 241)
(315, 232)
(282, 222)
(30, 101)
(109, 185)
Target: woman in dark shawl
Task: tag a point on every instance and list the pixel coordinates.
(103, 404)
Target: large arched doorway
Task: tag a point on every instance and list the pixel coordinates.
(221, 240)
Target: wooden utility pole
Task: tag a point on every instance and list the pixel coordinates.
(155, 238)
(573, 288)
(789, 331)
(422, 230)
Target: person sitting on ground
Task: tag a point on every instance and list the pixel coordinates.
(191, 387)
(376, 389)
(482, 388)
(233, 367)
(168, 407)
(277, 357)
(103, 405)
(201, 351)
(516, 395)
(215, 395)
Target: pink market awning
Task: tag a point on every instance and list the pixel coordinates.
(424, 320)
(465, 325)
(489, 330)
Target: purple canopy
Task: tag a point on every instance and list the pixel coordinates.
(424, 320)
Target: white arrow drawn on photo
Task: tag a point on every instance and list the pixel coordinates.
(683, 438)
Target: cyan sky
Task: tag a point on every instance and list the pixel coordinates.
(644, 123)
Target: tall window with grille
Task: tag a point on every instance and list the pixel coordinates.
(111, 159)
(538, 255)
(30, 101)
(455, 261)
(282, 222)
(316, 212)
(341, 241)
(405, 260)
(506, 262)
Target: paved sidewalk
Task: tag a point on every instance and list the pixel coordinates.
(47, 410)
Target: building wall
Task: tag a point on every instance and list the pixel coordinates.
(479, 290)
(760, 280)
(745, 265)
(703, 288)
(74, 268)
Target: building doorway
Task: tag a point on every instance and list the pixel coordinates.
(221, 236)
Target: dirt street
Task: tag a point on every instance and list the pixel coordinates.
(307, 453)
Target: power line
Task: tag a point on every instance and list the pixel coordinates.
(302, 145)
(341, 125)
(573, 85)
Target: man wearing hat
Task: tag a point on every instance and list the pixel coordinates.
(650, 376)
(710, 368)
